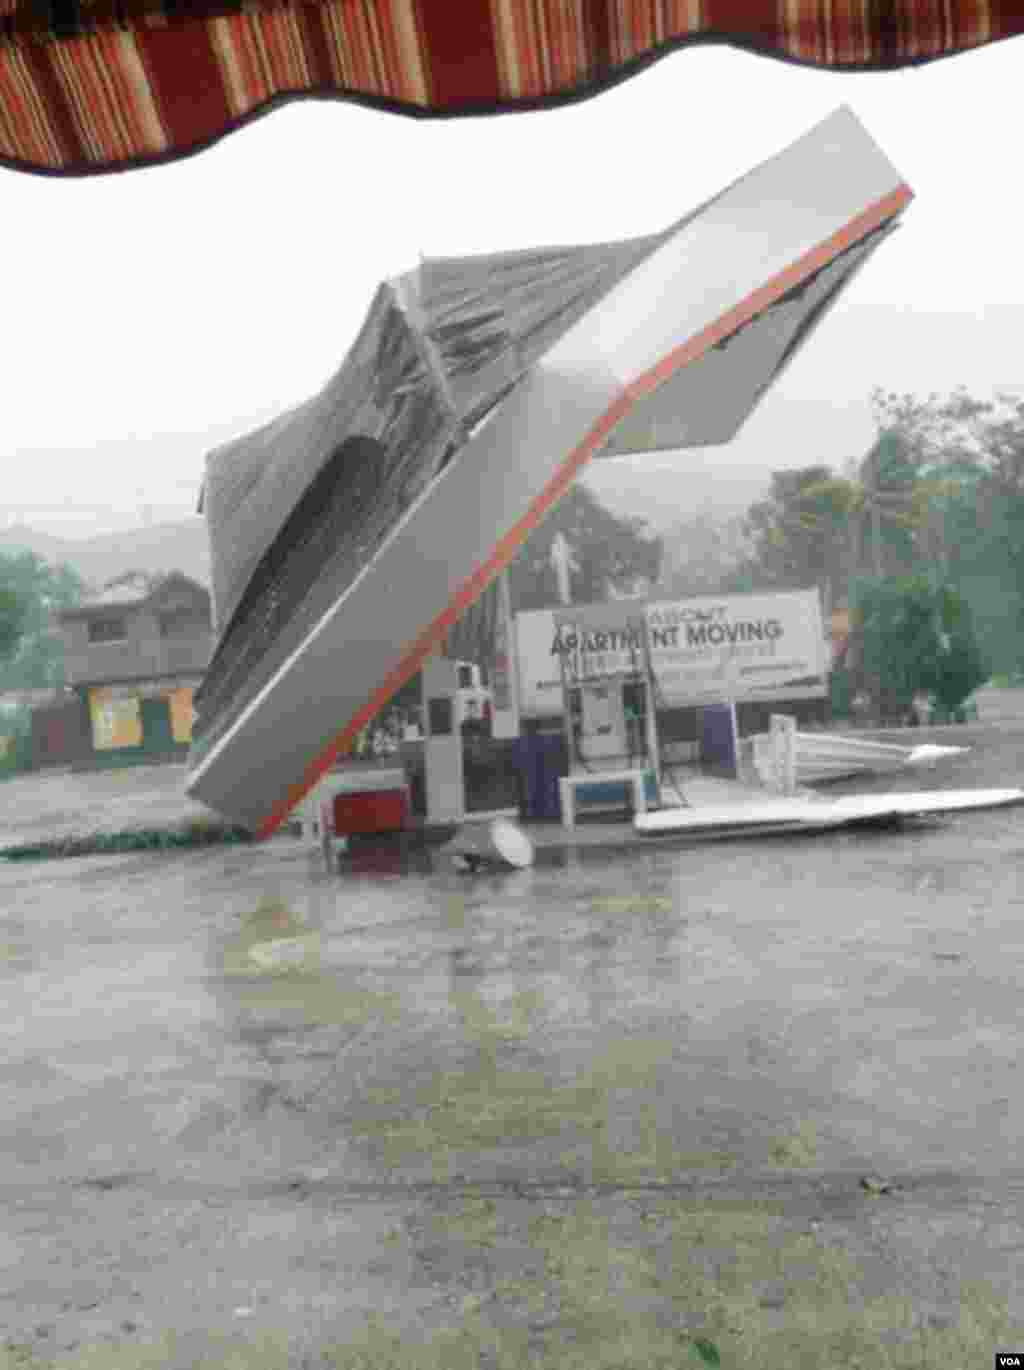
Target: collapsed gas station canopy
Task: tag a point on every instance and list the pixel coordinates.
(350, 534)
(102, 85)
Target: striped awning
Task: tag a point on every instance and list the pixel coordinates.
(90, 86)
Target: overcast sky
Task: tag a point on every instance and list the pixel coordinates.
(150, 315)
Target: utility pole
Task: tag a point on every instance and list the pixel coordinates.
(876, 535)
(871, 499)
(564, 563)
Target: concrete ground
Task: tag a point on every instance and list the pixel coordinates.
(757, 1101)
(48, 805)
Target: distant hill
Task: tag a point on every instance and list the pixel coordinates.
(179, 546)
(45, 545)
(665, 497)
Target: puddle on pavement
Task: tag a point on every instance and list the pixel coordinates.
(600, 1124)
(272, 939)
(275, 964)
(15, 956)
(17, 951)
(511, 986)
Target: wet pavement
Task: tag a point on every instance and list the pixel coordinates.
(614, 1109)
(50, 805)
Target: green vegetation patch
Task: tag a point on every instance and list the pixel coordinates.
(267, 1352)
(801, 1149)
(663, 1282)
(272, 925)
(276, 957)
(319, 1001)
(632, 903)
(199, 832)
(733, 1287)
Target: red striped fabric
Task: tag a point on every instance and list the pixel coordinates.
(94, 85)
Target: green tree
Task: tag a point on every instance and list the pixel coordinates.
(869, 516)
(41, 590)
(960, 666)
(16, 724)
(887, 504)
(893, 513)
(897, 643)
(799, 533)
(975, 531)
(12, 623)
(911, 636)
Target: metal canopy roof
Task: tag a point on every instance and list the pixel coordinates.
(348, 535)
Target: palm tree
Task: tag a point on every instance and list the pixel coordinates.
(861, 503)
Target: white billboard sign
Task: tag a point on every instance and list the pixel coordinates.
(719, 647)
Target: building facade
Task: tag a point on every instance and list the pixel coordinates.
(134, 656)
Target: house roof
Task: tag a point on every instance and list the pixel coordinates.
(130, 591)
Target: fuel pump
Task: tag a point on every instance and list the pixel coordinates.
(610, 719)
(602, 721)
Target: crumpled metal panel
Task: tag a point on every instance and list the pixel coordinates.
(441, 345)
(491, 317)
(233, 473)
(268, 550)
(253, 483)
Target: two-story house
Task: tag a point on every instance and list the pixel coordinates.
(134, 655)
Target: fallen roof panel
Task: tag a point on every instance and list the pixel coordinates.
(770, 815)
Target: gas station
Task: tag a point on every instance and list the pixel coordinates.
(350, 535)
(583, 695)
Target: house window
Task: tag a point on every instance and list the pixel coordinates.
(181, 623)
(107, 630)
